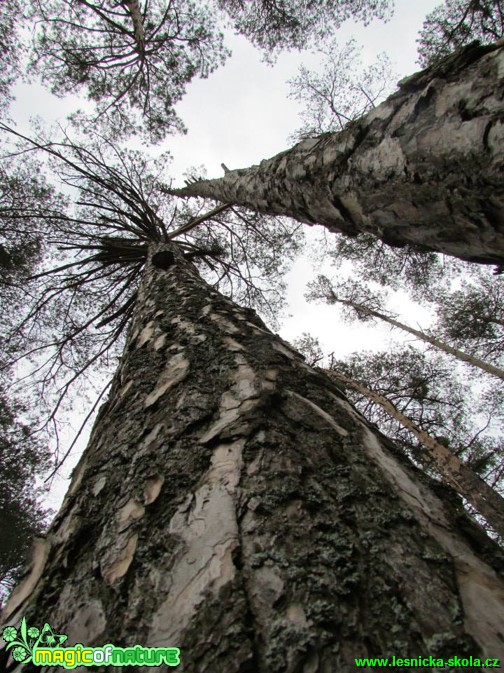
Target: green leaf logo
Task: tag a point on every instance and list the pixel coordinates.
(25, 640)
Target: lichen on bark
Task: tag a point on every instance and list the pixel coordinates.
(249, 514)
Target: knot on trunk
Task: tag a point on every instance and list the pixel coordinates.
(163, 259)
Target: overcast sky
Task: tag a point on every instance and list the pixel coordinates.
(240, 115)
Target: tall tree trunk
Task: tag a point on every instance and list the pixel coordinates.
(233, 503)
(464, 480)
(133, 7)
(423, 168)
(460, 355)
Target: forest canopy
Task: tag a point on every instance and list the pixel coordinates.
(81, 207)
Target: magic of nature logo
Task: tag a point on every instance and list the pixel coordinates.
(43, 647)
(27, 639)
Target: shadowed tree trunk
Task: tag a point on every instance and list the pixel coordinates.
(232, 502)
(463, 479)
(424, 168)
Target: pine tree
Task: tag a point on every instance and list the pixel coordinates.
(297, 24)
(421, 169)
(132, 60)
(24, 457)
(456, 23)
(231, 501)
(365, 305)
(471, 316)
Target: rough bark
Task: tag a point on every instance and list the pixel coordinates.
(232, 502)
(424, 168)
(446, 348)
(465, 481)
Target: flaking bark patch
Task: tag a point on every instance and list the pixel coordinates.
(152, 489)
(207, 526)
(417, 170)
(116, 567)
(175, 371)
(250, 516)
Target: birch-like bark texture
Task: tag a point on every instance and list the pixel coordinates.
(423, 168)
(233, 503)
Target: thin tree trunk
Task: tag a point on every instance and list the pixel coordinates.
(464, 480)
(133, 6)
(232, 503)
(460, 355)
(423, 168)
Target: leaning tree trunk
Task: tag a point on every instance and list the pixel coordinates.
(233, 503)
(424, 168)
(464, 480)
(437, 343)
